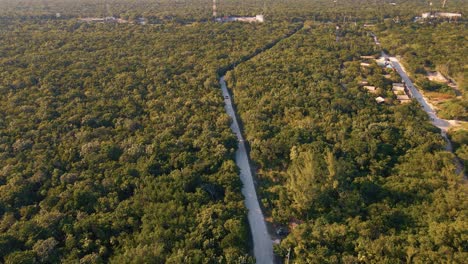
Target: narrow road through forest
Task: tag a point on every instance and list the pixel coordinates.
(262, 241)
(263, 245)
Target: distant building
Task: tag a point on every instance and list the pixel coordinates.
(449, 15)
(401, 93)
(403, 98)
(380, 100)
(245, 19)
(260, 18)
(371, 89)
(396, 87)
(257, 18)
(398, 90)
(364, 82)
(381, 62)
(92, 19)
(441, 15)
(105, 19)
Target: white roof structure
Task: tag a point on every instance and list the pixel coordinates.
(402, 97)
(380, 99)
(371, 89)
(398, 88)
(441, 14)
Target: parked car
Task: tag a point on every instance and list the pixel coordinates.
(281, 231)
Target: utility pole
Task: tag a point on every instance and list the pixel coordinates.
(214, 9)
(337, 33)
(108, 9)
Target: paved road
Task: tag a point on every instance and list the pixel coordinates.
(263, 245)
(443, 124)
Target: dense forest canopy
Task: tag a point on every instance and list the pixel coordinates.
(115, 147)
(115, 135)
(363, 182)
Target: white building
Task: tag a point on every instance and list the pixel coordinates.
(441, 14)
(380, 99)
(403, 98)
(257, 18)
(371, 89)
(398, 85)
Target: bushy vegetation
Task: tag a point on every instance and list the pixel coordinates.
(459, 139)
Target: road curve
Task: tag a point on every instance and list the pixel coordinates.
(262, 243)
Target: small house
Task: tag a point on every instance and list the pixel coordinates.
(371, 89)
(398, 87)
(380, 100)
(403, 98)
